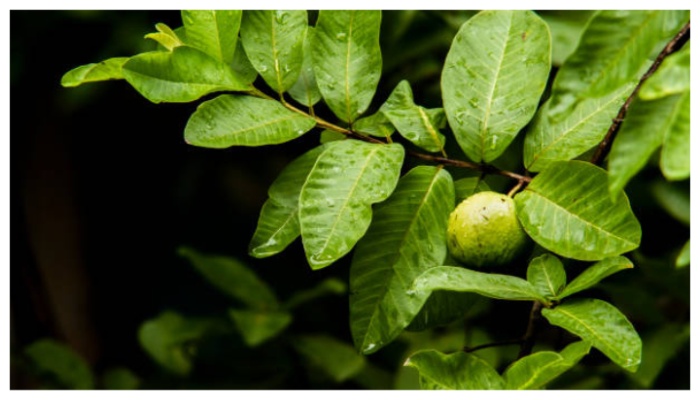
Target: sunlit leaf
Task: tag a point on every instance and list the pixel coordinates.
(102, 71)
(594, 274)
(457, 371)
(165, 37)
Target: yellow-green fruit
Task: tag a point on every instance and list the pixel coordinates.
(484, 231)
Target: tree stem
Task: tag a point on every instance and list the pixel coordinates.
(494, 344)
(528, 340)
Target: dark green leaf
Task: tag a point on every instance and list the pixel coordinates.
(603, 326)
(240, 120)
(329, 286)
(120, 379)
(683, 258)
(61, 363)
(347, 59)
(335, 204)
(660, 346)
(596, 273)
(460, 279)
(442, 308)
(257, 327)
(538, 369)
(233, 278)
(546, 274)
(492, 79)
(406, 237)
(567, 209)
(466, 187)
(675, 154)
(672, 77)
(273, 40)
(215, 32)
(102, 71)
(458, 371)
(376, 125)
(337, 359)
(180, 76)
(305, 89)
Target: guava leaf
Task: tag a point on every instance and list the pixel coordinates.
(376, 124)
(660, 347)
(458, 279)
(278, 224)
(603, 326)
(165, 37)
(683, 259)
(257, 327)
(675, 154)
(538, 369)
(242, 67)
(674, 198)
(96, 72)
(596, 273)
(457, 371)
(547, 275)
(407, 236)
(215, 32)
(347, 59)
(120, 379)
(240, 120)
(567, 209)
(566, 27)
(442, 308)
(180, 76)
(335, 204)
(273, 40)
(466, 187)
(334, 358)
(61, 363)
(493, 77)
(232, 278)
(305, 89)
(672, 77)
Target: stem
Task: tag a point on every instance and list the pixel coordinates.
(528, 340)
(674, 45)
(494, 344)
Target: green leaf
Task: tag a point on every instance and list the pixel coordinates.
(645, 127)
(683, 258)
(457, 371)
(335, 204)
(466, 187)
(493, 77)
(672, 77)
(257, 327)
(214, 32)
(305, 89)
(675, 154)
(546, 274)
(180, 76)
(567, 210)
(334, 358)
(347, 59)
(549, 139)
(442, 308)
(242, 67)
(273, 40)
(329, 286)
(615, 49)
(417, 124)
(328, 135)
(233, 278)
(407, 236)
(538, 369)
(102, 71)
(120, 379)
(603, 326)
(660, 347)
(674, 198)
(278, 224)
(240, 120)
(375, 125)
(458, 279)
(566, 27)
(58, 361)
(165, 36)
(596, 273)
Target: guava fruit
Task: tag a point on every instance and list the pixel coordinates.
(483, 231)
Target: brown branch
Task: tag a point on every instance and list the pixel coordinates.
(674, 45)
(494, 344)
(528, 340)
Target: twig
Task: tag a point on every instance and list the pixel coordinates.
(674, 45)
(494, 344)
(528, 340)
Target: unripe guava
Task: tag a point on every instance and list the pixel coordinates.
(484, 231)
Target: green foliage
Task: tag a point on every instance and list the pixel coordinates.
(594, 274)
(538, 369)
(215, 32)
(102, 71)
(459, 371)
(546, 273)
(259, 326)
(120, 379)
(337, 359)
(60, 364)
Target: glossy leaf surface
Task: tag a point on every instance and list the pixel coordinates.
(457, 371)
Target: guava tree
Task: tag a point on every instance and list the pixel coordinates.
(387, 174)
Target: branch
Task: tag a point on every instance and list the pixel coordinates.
(528, 340)
(494, 344)
(674, 45)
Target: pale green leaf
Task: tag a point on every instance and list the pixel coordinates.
(567, 210)
(278, 224)
(96, 72)
(257, 327)
(242, 67)
(493, 77)
(547, 275)
(457, 371)
(273, 40)
(375, 125)
(645, 127)
(566, 27)
(614, 50)
(180, 76)
(67, 368)
(466, 187)
(305, 89)
(415, 123)
(337, 359)
(536, 370)
(458, 279)
(596, 273)
(215, 32)
(240, 120)
(660, 347)
(674, 198)
(335, 205)
(120, 379)
(675, 154)
(232, 278)
(347, 59)
(603, 326)
(683, 258)
(672, 77)
(165, 36)
(329, 286)
(407, 236)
